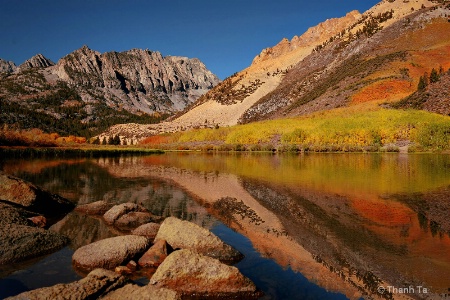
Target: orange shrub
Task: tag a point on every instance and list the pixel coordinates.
(155, 140)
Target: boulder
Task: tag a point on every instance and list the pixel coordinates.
(190, 273)
(149, 230)
(22, 242)
(133, 219)
(155, 255)
(109, 253)
(132, 291)
(12, 214)
(31, 197)
(187, 235)
(98, 283)
(95, 208)
(117, 211)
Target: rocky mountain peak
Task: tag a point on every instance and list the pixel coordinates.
(143, 80)
(7, 66)
(37, 61)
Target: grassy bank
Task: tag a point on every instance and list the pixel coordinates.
(86, 151)
(350, 129)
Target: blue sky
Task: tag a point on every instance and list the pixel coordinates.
(225, 35)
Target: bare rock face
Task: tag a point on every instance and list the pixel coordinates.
(21, 242)
(109, 253)
(190, 273)
(7, 66)
(187, 235)
(37, 61)
(95, 208)
(149, 230)
(158, 83)
(97, 284)
(132, 291)
(31, 197)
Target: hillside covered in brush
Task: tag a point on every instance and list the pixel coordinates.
(355, 65)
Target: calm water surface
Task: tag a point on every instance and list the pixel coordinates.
(322, 226)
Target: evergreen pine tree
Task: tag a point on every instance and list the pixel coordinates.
(434, 76)
(422, 83)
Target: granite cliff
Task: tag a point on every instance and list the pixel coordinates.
(37, 61)
(87, 91)
(137, 80)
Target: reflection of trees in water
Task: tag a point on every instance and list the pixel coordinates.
(86, 181)
(228, 208)
(432, 210)
(83, 181)
(371, 282)
(83, 229)
(332, 234)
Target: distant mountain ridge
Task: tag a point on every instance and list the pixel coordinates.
(95, 89)
(138, 80)
(7, 66)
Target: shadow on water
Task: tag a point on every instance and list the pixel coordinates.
(275, 281)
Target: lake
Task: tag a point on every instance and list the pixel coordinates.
(311, 226)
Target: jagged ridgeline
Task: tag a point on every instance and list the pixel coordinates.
(86, 91)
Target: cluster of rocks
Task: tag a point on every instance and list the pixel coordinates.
(180, 258)
(26, 212)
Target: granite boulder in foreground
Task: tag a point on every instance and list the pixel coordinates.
(25, 209)
(187, 235)
(132, 291)
(31, 197)
(21, 242)
(97, 284)
(190, 273)
(149, 230)
(110, 253)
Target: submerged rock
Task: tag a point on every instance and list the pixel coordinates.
(21, 242)
(110, 253)
(117, 211)
(133, 219)
(187, 235)
(97, 284)
(191, 273)
(95, 208)
(132, 291)
(31, 197)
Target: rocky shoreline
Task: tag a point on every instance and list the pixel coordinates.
(180, 259)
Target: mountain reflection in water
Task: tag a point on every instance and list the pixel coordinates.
(349, 223)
